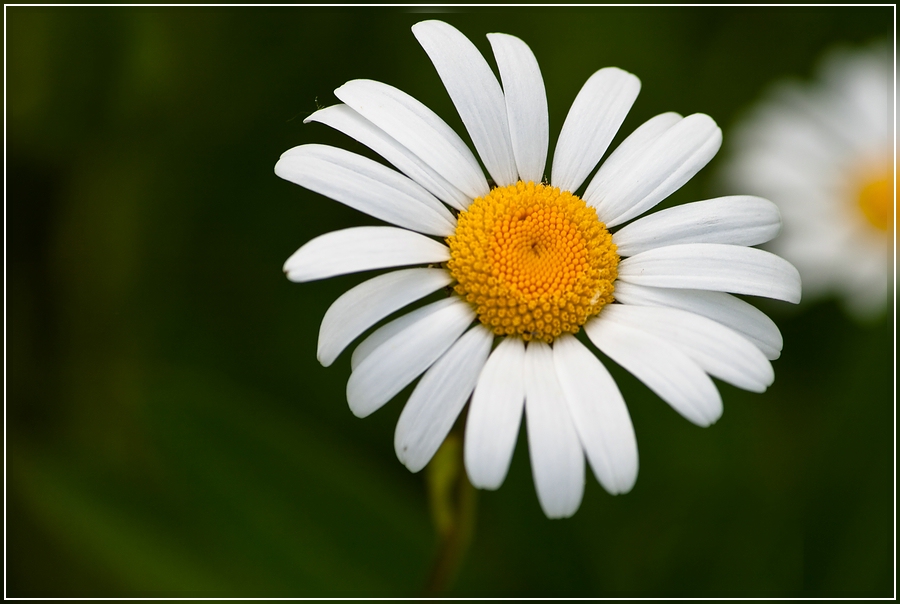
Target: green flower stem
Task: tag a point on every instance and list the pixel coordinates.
(452, 500)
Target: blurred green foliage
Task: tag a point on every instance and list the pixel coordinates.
(169, 431)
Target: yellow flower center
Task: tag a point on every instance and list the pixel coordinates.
(533, 261)
(876, 198)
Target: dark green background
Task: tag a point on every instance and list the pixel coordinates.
(169, 431)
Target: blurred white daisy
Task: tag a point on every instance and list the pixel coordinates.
(824, 152)
(528, 264)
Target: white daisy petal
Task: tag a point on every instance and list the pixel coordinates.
(367, 186)
(343, 119)
(526, 104)
(369, 302)
(439, 397)
(599, 415)
(595, 117)
(557, 461)
(720, 351)
(628, 151)
(724, 308)
(392, 328)
(403, 357)
(714, 266)
(667, 371)
(475, 92)
(670, 161)
(495, 413)
(362, 249)
(736, 220)
(419, 129)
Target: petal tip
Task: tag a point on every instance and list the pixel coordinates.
(560, 514)
(325, 359)
(280, 169)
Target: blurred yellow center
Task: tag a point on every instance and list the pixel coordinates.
(876, 198)
(533, 261)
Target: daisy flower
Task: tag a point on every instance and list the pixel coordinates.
(824, 153)
(527, 264)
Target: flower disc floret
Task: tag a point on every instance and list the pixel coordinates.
(876, 197)
(533, 261)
